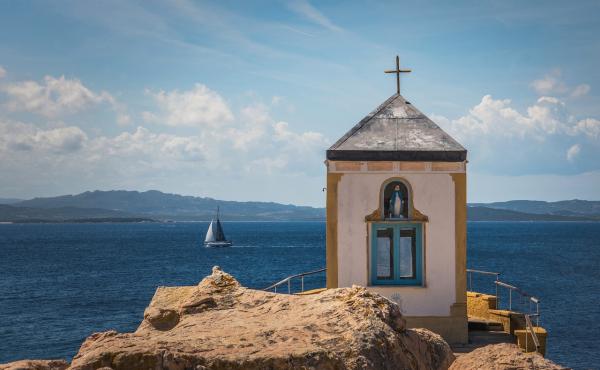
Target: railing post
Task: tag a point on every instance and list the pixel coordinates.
(497, 296)
(302, 280)
(289, 286)
(509, 299)
(470, 281)
(526, 337)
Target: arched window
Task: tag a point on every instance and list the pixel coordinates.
(396, 200)
(396, 241)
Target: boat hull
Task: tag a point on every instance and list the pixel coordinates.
(219, 244)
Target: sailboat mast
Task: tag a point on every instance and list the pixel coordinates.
(215, 235)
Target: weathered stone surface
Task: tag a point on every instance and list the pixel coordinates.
(503, 356)
(222, 325)
(35, 365)
(161, 319)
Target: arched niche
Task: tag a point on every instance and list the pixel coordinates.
(403, 189)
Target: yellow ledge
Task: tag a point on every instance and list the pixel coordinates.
(312, 291)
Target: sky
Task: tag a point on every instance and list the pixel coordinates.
(240, 100)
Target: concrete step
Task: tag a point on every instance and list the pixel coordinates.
(477, 323)
(490, 337)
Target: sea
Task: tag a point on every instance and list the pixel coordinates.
(59, 283)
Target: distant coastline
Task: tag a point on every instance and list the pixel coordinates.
(119, 206)
(84, 221)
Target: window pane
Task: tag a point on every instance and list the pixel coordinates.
(407, 253)
(385, 254)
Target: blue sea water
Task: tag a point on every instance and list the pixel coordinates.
(61, 282)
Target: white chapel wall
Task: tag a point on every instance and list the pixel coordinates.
(433, 196)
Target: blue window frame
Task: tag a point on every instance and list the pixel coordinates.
(396, 253)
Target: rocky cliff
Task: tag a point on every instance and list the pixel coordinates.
(503, 356)
(222, 325)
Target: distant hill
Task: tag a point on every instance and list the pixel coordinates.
(10, 200)
(492, 214)
(9, 213)
(158, 205)
(576, 207)
(133, 205)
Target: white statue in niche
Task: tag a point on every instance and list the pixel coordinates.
(396, 203)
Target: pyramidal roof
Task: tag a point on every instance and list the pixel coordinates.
(397, 131)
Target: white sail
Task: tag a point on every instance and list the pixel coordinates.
(210, 237)
(215, 237)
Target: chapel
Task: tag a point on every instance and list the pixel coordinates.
(396, 215)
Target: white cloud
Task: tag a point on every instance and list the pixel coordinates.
(63, 140)
(152, 146)
(252, 129)
(2, 72)
(197, 107)
(502, 139)
(552, 84)
(251, 147)
(256, 113)
(254, 134)
(305, 9)
(123, 119)
(149, 117)
(497, 118)
(492, 117)
(573, 152)
(127, 148)
(589, 127)
(52, 97)
(302, 141)
(272, 145)
(301, 151)
(275, 100)
(19, 137)
(580, 90)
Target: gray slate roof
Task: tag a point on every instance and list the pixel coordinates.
(397, 131)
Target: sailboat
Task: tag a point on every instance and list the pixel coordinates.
(215, 237)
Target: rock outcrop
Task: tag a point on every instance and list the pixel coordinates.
(503, 356)
(36, 365)
(222, 325)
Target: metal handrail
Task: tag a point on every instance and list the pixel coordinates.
(530, 328)
(524, 294)
(289, 279)
(520, 291)
(481, 272)
(510, 288)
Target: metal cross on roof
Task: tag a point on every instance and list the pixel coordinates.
(397, 71)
